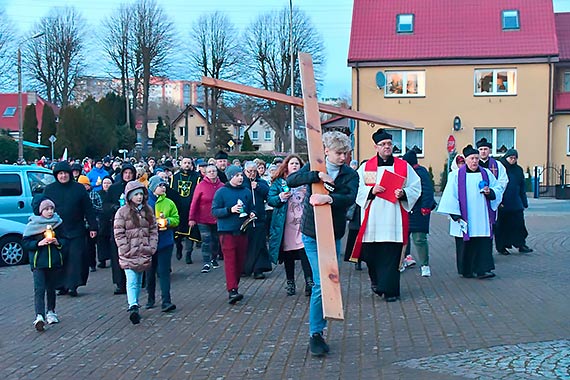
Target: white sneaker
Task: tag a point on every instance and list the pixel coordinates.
(39, 323)
(51, 317)
(409, 261)
(426, 272)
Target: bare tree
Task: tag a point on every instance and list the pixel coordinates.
(117, 42)
(153, 37)
(269, 61)
(56, 60)
(7, 52)
(214, 53)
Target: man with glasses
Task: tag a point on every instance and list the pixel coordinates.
(388, 190)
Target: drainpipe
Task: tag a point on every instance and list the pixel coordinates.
(549, 118)
(358, 109)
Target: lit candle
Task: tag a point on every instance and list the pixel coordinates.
(161, 221)
(49, 232)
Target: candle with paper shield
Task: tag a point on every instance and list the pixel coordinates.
(242, 213)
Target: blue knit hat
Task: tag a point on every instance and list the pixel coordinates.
(232, 170)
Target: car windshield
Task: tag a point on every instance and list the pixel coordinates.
(39, 180)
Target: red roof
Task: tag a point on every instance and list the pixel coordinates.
(563, 33)
(11, 100)
(448, 29)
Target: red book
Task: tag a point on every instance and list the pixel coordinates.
(390, 181)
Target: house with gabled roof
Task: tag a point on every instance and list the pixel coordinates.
(561, 115)
(9, 111)
(470, 69)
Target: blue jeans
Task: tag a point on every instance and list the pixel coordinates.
(134, 281)
(210, 242)
(161, 265)
(317, 323)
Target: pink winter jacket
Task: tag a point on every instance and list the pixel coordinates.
(136, 245)
(201, 206)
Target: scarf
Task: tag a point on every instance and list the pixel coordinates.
(370, 173)
(37, 224)
(462, 187)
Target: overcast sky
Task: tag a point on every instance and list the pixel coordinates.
(331, 18)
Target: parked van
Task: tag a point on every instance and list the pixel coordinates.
(18, 185)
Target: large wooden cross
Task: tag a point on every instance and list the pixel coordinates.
(328, 264)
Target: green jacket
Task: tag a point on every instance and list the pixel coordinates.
(164, 205)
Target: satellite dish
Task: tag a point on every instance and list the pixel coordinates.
(380, 79)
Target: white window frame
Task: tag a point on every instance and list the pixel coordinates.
(12, 112)
(200, 130)
(510, 13)
(404, 142)
(254, 135)
(265, 137)
(402, 21)
(421, 87)
(566, 81)
(568, 140)
(511, 89)
(493, 141)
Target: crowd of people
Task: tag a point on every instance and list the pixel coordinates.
(135, 215)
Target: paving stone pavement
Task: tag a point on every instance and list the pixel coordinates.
(515, 326)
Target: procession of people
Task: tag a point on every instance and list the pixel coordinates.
(252, 216)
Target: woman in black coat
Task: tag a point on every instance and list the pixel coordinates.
(510, 229)
(285, 244)
(73, 205)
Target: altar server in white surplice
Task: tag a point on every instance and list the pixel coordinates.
(385, 205)
(471, 198)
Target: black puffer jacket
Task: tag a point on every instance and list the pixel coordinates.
(344, 195)
(419, 222)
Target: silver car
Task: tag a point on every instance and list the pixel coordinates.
(11, 251)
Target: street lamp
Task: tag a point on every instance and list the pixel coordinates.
(292, 71)
(20, 118)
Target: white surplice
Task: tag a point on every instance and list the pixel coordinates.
(385, 220)
(477, 214)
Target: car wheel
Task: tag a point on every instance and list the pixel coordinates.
(11, 250)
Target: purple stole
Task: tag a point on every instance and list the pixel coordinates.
(494, 167)
(462, 190)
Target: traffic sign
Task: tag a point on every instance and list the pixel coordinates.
(450, 143)
(52, 139)
(231, 143)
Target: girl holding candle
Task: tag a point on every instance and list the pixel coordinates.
(136, 235)
(44, 247)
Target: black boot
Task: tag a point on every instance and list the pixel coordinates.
(178, 250)
(309, 287)
(291, 290)
(188, 257)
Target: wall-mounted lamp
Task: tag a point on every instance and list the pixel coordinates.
(457, 124)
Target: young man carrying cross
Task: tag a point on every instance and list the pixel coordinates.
(342, 183)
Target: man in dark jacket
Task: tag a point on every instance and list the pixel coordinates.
(184, 182)
(115, 199)
(73, 205)
(257, 260)
(345, 180)
(510, 229)
(419, 217)
(221, 163)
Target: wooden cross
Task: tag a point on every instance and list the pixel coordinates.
(328, 264)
